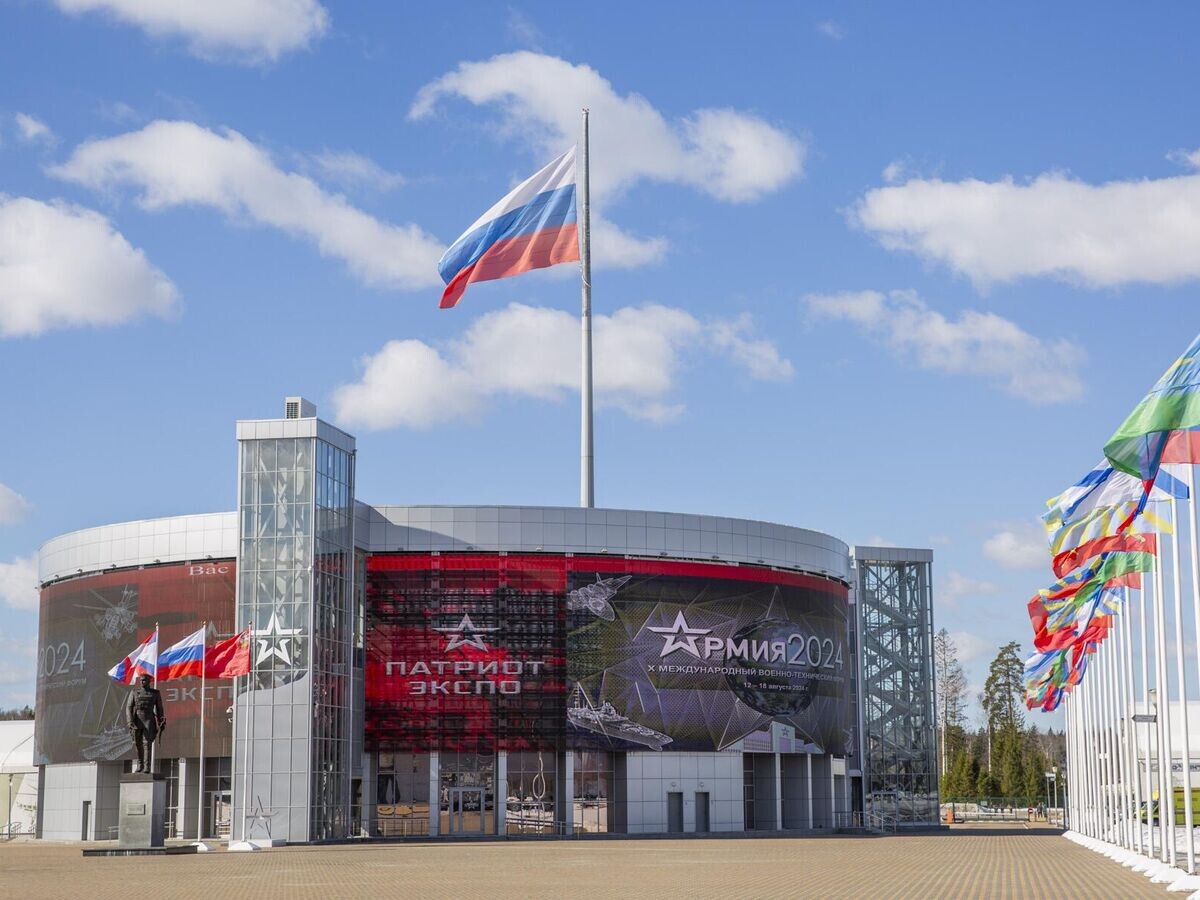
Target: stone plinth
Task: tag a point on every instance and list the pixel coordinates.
(142, 812)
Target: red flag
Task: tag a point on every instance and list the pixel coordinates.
(1069, 560)
(230, 658)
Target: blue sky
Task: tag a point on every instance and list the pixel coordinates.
(891, 273)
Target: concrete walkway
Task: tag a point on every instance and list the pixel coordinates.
(967, 861)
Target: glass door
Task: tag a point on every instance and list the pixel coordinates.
(466, 810)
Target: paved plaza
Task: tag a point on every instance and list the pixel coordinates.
(966, 862)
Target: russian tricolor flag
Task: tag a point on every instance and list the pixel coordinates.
(142, 661)
(183, 658)
(535, 226)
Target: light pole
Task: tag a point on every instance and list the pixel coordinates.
(1055, 771)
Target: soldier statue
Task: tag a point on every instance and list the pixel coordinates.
(146, 719)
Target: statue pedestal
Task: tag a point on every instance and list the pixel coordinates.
(142, 812)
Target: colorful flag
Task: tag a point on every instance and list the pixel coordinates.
(535, 226)
(1070, 560)
(142, 661)
(229, 658)
(1172, 406)
(183, 658)
(1104, 522)
(1105, 487)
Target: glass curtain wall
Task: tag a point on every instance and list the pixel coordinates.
(402, 795)
(334, 632)
(274, 595)
(895, 645)
(530, 802)
(593, 791)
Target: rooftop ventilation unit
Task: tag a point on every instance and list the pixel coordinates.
(298, 408)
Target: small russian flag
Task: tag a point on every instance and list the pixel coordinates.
(183, 658)
(142, 661)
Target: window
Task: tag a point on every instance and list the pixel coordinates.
(530, 804)
(402, 794)
(593, 792)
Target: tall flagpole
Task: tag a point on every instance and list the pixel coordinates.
(1189, 842)
(586, 481)
(1147, 777)
(154, 743)
(248, 727)
(200, 790)
(1166, 793)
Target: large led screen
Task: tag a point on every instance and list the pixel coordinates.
(479, 652)
(88, 625)
(690, 656)
(465, 652)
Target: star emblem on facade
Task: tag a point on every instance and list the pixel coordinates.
(465, 634)
(680, 637)
(259, 818)
(275, 641)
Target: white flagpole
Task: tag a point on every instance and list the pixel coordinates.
(1194, 542)
(1112, 757)
(1189, 842)
(200, 789)
(586, 479)
(246, 744)
(1147, 778)
(154, 743)
(1121, 708)
(1130, 708)
(1166, 794)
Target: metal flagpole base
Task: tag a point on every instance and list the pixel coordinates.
(242, 847)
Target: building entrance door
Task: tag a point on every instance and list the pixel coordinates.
(219, 814)
(466, 810)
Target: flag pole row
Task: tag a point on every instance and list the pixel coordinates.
(1107, 630)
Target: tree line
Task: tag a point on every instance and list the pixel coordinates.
(1002, 759)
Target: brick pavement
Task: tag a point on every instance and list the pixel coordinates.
(967, 862)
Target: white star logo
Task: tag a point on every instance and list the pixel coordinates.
(275, 641)
(260, 818)
(680, 637)
(466, 627)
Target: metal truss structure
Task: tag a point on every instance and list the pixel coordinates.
(895, 626)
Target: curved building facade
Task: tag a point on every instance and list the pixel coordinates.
(498, 670)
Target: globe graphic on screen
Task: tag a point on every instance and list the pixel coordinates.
(775, 689)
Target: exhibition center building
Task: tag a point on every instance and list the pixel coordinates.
(457, 671)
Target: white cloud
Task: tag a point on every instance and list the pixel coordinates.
(521, 30)
(33, 131)
(248, 31)
(731, 155)
(831, 29)
(180, 163)
(957, 587)
(760, 357)
(348, 168)
(63, 265)
(1189, 158)
(1019, 547)
(19, 582)
(894, 170)
(13, 507)
(876, 540)
(969, 646)
(1053, 226)
(525, 351)
(976, 343)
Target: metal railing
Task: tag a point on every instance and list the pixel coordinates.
(865, 819)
